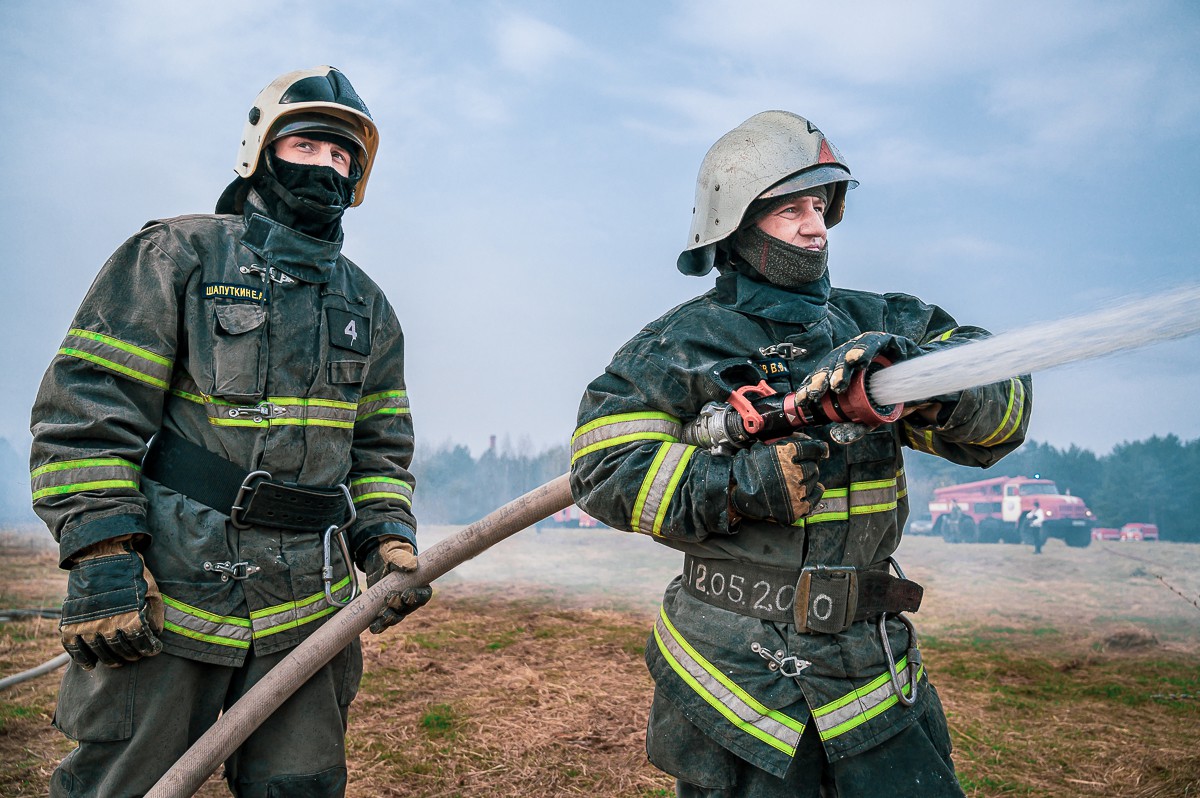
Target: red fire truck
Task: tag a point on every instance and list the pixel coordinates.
(996, 510)
(574, 517)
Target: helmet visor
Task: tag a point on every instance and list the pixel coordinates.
(810, 178)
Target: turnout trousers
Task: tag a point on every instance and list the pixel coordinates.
(134, 722)
(914, 764)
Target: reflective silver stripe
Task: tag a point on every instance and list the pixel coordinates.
(616, 430)
(189, 621)
(862, 498)
(1014, 412)
(384, 402)
(118, 356)
(77, 476)
(367, 488)
(721, 693)
(659, 486)
(860, 705)
(292, 614)
(274, 411)
(875, 496)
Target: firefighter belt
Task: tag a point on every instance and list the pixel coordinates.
(822, 599)
(248, 498)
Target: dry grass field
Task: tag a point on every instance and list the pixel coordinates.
(1072, 673)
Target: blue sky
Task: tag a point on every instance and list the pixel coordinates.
(1019, 161)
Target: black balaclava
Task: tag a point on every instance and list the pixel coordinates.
(309, 199)
(779, 262)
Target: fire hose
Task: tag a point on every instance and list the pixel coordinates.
(236, 724)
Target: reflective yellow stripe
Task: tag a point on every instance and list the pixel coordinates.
(1013, 414)
(658, 486)
(383, 403)
(292, 614)
(723, 694)
(77, 476)
(223, 630)
(367, 488)
(608, 431)
(118, 356)
(863, 703)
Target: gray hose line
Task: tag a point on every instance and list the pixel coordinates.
(45, 667)
(235, 725)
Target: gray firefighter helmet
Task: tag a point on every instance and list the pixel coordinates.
(771, 154)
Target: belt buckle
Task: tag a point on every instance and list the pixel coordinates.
(826, 598)
(238, 507)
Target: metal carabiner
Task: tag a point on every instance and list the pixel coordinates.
(914, 658)
(327, 568)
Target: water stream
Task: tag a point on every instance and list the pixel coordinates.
(1041, 346)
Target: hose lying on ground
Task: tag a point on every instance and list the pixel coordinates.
(45, 667)
(236, 724)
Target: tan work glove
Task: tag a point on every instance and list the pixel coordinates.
(394, 554)
(113, 612)
(777, 481)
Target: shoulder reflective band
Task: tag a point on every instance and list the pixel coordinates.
(863, 703)
(367, 488)
(722, 694)
(118, 356)
(76, 476)
(607, 431)
(662, 478)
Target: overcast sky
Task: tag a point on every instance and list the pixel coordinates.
(1019, 161)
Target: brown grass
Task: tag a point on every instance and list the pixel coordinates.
(507, 691)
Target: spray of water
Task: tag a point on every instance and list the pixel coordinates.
(1041, 346)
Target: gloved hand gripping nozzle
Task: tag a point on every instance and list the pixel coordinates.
(759, 413)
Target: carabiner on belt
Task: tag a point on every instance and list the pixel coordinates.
(914, 653)
(327, 569)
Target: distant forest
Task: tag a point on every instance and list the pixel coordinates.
(1156, 480)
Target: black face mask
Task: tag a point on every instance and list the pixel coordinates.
(308, 199)
(781, 263)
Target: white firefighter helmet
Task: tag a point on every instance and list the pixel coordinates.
(771, 154)
(317, 100)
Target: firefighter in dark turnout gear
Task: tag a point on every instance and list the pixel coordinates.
(223, 435)
(782, 660)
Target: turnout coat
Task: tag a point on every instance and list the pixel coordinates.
(264, 346)
(630, 470)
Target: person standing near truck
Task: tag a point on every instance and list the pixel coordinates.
(223, 435)
(772, 655)
(1033, 523)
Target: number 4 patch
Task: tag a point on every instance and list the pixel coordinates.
(348, 331)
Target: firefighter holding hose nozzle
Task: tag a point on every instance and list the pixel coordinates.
(783, 662)
(222, 437)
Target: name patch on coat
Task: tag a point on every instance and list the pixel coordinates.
(235, 293)
(772, 367)
(349, 331)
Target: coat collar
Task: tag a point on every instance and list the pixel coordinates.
(805, 305)
(302, 257)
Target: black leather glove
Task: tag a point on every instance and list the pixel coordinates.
(113, 613)
(393, 554)
(778, 481)
(836, 369)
